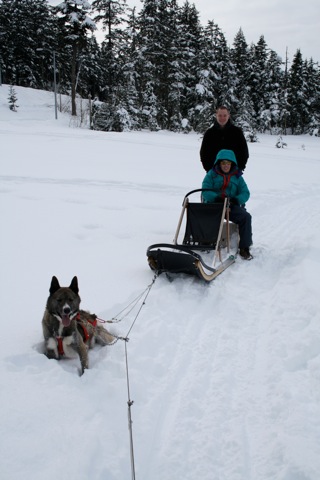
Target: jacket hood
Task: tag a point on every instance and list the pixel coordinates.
(226, 155)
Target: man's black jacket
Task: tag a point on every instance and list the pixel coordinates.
(229, 137)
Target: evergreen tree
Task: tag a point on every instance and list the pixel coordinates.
(243, 106)
(129, 95)
(258, 80)
(75, 24)
(189, 49)
(90, 72)
(296, 95)
(111, 15)
(155, 62)
(172, 75)
(225, 69)
(271, 116)
(27, 29)
(312, 92)
(139, 56)
(217, 76)
(12, 99)
(240, 57)
(283, 100)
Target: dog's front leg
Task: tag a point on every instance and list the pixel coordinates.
(83, 355)
(51, 348)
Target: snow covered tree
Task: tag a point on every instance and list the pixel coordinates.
(156, 61)
(312, 91)
(257, 79)
(223, 69)
(271, 116)
(240, 57)
(12, 99)
(243, 106)
(217, 76)
(90, 72)
(27, 29)
(111, 15)
(128, 92)
(75, 25)
(296, 95)
(189, 48)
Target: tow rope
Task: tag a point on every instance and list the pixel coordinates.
(125, 312)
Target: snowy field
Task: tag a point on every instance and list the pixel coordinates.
(225, 377)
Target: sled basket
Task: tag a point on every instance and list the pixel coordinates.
(208, 246)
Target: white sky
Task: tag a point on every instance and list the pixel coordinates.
(288, 23)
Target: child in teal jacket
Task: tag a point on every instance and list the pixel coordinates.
(225, 179)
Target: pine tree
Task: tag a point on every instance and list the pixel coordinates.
(12, 99)
(189, 44)
(271, 116)
(172, 76)
(27, 29)
(153, 62)
(111, 15)
(90, 72)
(257, 79)
(242, 107)
(296, 94)
(129, 95)
(75, 24)
(217, 76)
(312, 92)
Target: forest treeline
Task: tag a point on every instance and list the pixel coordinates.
(158, 68)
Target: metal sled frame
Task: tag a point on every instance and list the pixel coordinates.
(208, 232)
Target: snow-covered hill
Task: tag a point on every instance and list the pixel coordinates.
(225, 378)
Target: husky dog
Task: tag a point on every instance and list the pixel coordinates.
(67, 330)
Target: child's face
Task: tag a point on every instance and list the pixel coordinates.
(225, 166)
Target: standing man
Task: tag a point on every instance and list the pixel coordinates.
(223, 135)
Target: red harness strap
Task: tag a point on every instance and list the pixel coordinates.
(85, 333)
(60, 345)
(93, 322)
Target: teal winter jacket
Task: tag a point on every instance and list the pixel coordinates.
(230, 185)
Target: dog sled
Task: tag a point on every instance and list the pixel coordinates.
(208, 246)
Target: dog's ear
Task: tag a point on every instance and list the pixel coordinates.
(74, 285)
(54, 285)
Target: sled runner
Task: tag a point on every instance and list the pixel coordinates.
(209, 244)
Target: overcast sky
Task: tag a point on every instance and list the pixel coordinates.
(284, 23)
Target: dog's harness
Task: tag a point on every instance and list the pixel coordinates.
(86, 335)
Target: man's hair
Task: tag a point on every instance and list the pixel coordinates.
(222, 107)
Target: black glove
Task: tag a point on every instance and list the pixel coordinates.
(233, 201)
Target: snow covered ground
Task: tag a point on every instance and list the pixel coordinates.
(225, 377)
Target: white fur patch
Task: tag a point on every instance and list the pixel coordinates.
(69, 351)
(52, 345)
(61, 327)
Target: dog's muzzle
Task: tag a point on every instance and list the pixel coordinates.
(66, 316)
